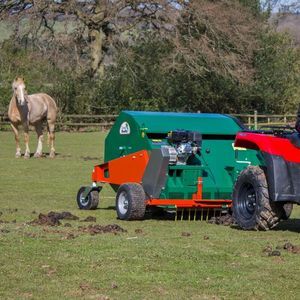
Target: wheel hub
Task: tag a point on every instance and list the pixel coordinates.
(123, 203)
(247, 201)
(84, 200)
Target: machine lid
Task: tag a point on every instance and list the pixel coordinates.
(205, 123)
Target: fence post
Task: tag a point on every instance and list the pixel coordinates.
(255, 119)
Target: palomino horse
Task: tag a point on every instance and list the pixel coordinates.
(28, 110)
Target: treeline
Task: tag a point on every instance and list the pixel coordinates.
(208, 56)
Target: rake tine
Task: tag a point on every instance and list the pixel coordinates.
(189, 214)
(207, 213)
(182, 211)
(215, 212)
(176, 215)
(195, 214)
(201, 219)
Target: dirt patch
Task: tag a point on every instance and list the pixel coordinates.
(86, 158)
(70, 236)
(114, 285)
(225, 220)
(185, 234)
(99, 229)
(4, 231)
(206, 237)
(291, 248)
(269, 251)
(53, 218)
(67, 225)
(139, 231)
(275, 253)
(65, 215)
(89, 219)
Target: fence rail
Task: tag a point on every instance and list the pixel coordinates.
(104, 122)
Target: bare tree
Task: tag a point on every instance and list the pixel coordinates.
(218, 37)
(98, 20)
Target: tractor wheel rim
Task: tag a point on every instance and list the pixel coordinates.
(123, 203)
(247, 201)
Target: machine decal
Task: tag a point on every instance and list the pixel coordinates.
(124, 128)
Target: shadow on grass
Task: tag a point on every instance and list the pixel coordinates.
(289, 225)
(46, 155)
(107, 208)
(292, 225)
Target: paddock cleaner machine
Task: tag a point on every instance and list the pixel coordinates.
(184, 162)
(199, 165)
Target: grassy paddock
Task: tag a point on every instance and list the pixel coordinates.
(155, 262)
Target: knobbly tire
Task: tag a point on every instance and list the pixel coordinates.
(252, 208)
(130, 202)
(90, 202)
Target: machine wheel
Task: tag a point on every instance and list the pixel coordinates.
(285, 209)
(252, 208)
(90, 202)
(130, 202)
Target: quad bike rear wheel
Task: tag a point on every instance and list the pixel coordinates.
(130, 202)
(252, 208)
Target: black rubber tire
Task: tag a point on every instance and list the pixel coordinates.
(130, 202)
(252, 208)
(91, 202)
(285, 209)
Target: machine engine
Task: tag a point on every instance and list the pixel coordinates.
(184, 143)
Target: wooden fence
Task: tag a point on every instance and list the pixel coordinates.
(104, 122)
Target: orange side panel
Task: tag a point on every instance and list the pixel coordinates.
(181, 203)
(129, 168)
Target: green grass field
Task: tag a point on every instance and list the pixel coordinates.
(152, 260)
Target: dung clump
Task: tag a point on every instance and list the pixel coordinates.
(225, 220)
(46, 220)
(99, 229)
(53, 218)
(291, 248)
(65, 215)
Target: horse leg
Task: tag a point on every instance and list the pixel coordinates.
(26, 138)
(17, 139)
(51, 137)
(39, 131)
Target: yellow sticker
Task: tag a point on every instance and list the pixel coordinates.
(238, 148)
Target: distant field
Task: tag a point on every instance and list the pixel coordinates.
(7, 29)
(154, 259)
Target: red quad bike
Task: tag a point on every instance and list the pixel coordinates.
(264, 194)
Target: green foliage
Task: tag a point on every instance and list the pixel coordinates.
(277, 79)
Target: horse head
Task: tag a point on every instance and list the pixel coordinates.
(19, 90)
